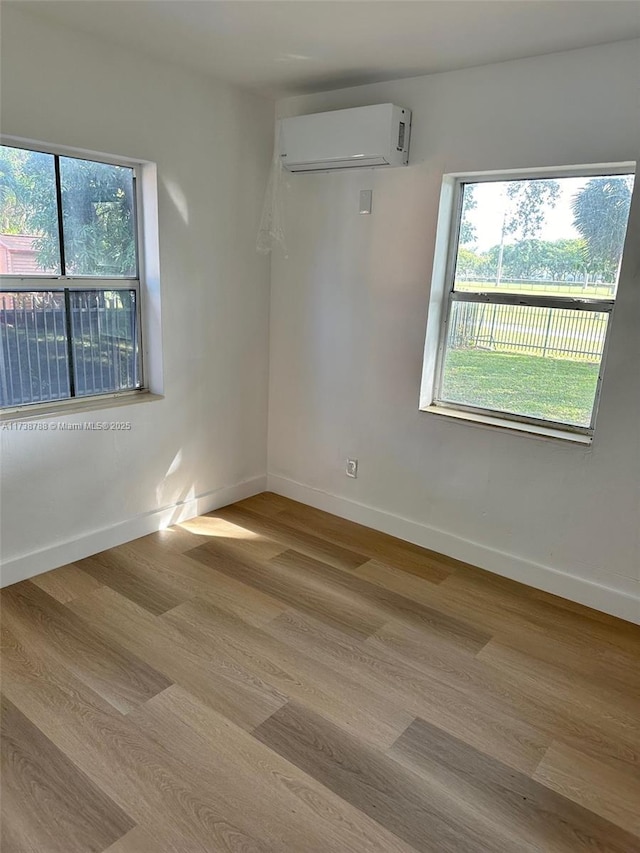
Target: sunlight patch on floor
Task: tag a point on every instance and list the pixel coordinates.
(207, 526)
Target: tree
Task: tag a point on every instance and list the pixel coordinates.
(524, 259)
(468, 263)
(600, 213)
(564, 259)
(556, 260)
(525, 210)
(527, 203)
(13, 213)
(467, 228)
(97, 205)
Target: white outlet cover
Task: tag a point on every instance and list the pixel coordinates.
(366, 201)
(352, 468)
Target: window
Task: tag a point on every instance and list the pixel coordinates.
(521, 306)
(69, 279)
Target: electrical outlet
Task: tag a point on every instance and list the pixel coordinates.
(352, 468)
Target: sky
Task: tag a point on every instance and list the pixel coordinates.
(488, 215)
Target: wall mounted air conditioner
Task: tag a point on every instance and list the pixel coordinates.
(346, 139)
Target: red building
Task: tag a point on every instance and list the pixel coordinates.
(17, 255)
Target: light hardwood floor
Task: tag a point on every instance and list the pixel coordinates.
(272, 678)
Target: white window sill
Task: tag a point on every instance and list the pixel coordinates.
(532, 430)
(58, 408)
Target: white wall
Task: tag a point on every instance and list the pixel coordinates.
(348, 316)
(212, 145)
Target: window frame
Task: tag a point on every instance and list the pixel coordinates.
(443, 296)
(60, 283)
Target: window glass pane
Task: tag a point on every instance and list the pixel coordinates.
(536, 362)
(105, 346)
(29, 243)
(557, 237)
(98, 212)
(34, 364)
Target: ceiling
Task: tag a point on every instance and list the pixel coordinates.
(297, 46)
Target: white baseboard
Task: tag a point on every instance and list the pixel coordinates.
(28, 565)
(600, 597)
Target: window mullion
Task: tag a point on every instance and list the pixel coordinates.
(535, 300)
(69, 335)
(9, 284)
(101, 283)
(63, 265)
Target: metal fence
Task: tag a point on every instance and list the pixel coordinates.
(526, 329)
(59, 344)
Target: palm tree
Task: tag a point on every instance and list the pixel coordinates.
(600, 213)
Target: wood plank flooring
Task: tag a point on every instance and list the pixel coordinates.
(269, 678)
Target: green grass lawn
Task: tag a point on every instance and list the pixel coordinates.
(549, 388)
(547, 288)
